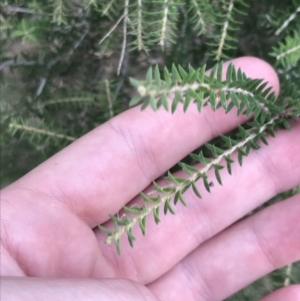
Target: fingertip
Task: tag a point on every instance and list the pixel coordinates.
(288, 293)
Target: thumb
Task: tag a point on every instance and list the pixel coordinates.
(36, 289)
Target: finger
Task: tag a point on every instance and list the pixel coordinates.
(92, 175)
(289, 293)
(265, 173)
(36, 289)
(236, 257)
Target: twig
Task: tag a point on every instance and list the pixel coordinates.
(16, 63)
(54, 61)
(288, 273)
(108, 6)
(224, 30)
(70, 52)
(112, 29)
(41, 86)
(124, 36)
(164, 24)
(283, 54)
(109, 100)
(287, 21)
(12, 9)
(40, 131)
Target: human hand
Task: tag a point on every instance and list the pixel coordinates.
(50, 216)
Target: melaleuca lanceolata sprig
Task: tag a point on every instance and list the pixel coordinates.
(163, 26)
(227, 15)
(195, 86)
(249, 96)
(138, 22)
(282, 19)
(288, 19)
(39, 133)
(288, 52)
(163, 196)
(198, 15)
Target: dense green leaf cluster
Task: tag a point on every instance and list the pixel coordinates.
(288, 53)
(204, 90)
(248, 96)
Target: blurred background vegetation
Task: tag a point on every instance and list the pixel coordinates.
(65, 67)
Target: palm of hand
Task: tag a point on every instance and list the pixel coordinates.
(50, 216)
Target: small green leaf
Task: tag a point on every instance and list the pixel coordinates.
(134, 210)
(120, 221)
(271, 132)
(156, 215)
(175, 74)
(213, 72)
(235, 99)
(145, 104)
(117, 243)
(205, 181)
(244, 133)
(186, 186)
(254, 144)
(202, 159)
(212, 100)
(219, 71)
(229, 73)
(214, 150)
(149, 76)
(152, 103)
(201, 74)
(105, 230)
(182, 72)
(241, 153)
(179, 96)
(157, 187)
(142, 223)
(130, 236)
(135, 100)
(223, 100)
(196, 190)
(167, 76)
(192, 77)
(194, 157)
(134, 82)
(263, 139)
(164, 101)
(199, 99)
(286, 124)
(176, 197)
(217, 168)
(188, 169)
(168, 207)
(171, 178)
(240, 75)
(229, 161)
(174, 104)
(263, 116)
(147, 198)
(257, 112)
(157, 76)
(180, 196)
(187, 102)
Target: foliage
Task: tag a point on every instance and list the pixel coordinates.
(249, 96)
(67, 66)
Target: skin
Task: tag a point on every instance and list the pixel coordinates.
(51, 248)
